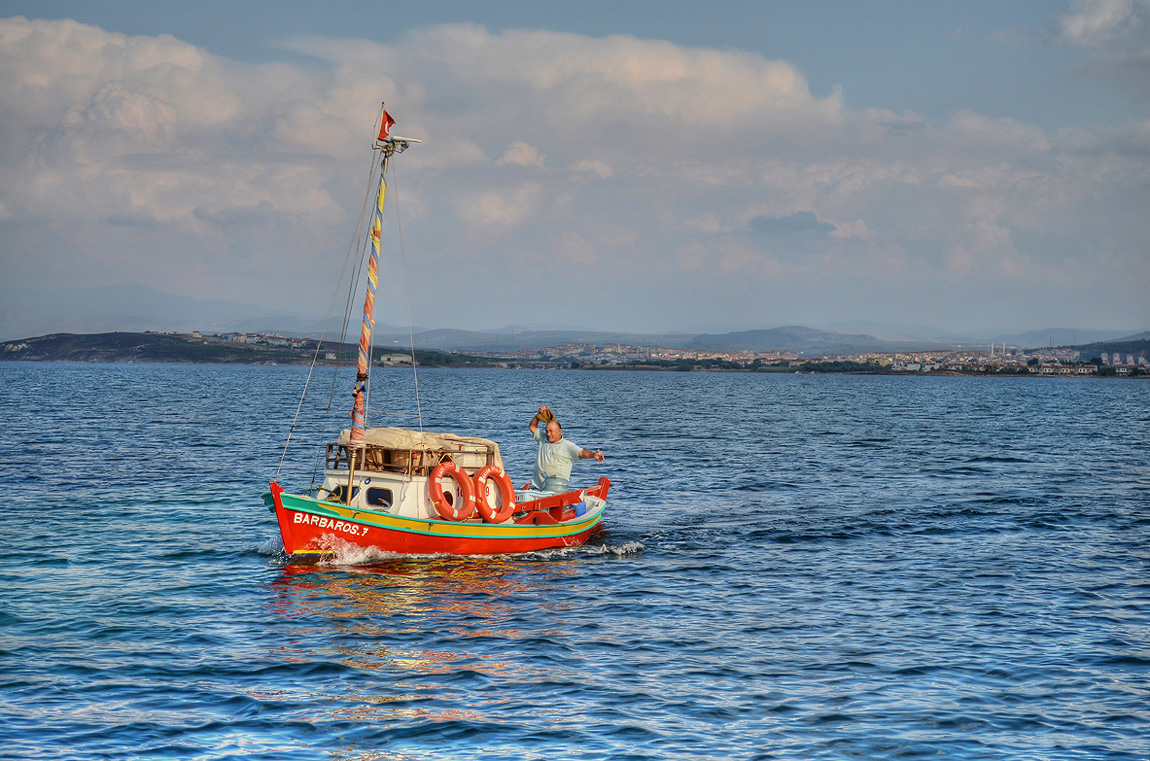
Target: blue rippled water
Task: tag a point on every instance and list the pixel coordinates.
(793, 567)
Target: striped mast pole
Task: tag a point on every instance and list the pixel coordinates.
(387, 146)
(359, 411)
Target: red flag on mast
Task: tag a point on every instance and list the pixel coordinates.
(385, 125)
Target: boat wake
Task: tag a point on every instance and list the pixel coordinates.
(339, 553)
(273, 545)
(629, 549)
(626, 550)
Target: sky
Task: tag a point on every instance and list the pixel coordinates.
(638, 165)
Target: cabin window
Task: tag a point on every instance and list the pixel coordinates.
(377, 497)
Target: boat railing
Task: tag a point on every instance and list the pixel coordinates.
(411, 462)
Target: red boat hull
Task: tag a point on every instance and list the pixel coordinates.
(313, 529)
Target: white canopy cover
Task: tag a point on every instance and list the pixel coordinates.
(426, 441)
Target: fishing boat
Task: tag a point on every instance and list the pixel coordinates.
(411, 491)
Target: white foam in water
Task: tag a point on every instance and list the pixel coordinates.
(620, 550)
(340, 552)
(273, 545)
(624, 550)
(344, 552)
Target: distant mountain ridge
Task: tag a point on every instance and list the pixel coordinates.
(138, 308)
(199, 348)
(1137, 346)
(488, 341)
(1061, 337)
(788, 338)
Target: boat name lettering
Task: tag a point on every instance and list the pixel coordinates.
(322, 522)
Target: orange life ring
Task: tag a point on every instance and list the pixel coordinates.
(506, 491)
(466, 507)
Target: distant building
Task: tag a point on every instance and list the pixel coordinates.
(1051, 369)
(391, 360)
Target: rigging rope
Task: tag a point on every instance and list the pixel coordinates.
(357, 250)
(407, 299)
(327, 319)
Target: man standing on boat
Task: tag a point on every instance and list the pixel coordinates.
(556, 454)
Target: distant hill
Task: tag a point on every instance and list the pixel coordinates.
(789, 338)
(515, 340)
(182, 348)
(122, 346)
(157, 347)
(794, 338)
(1036, 339)
(1135, 346)
(903, 335)
(140, 309)
(136, 308)
(207, 348)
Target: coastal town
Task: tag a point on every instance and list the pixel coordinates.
(991, 359)
(1121, 359)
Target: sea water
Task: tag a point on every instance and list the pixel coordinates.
(792, 567)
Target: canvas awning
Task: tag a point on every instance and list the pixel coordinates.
(426, 441)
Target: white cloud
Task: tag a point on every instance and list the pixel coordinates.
(499, 209)
(856, 228)
(1096, 21)
(572, 248)
(637, 166)
(592, 167)
(985, 131)
(522, 154)
(596, 77)
(114, 122)
(1115, 38)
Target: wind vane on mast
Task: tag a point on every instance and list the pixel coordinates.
(385, 141)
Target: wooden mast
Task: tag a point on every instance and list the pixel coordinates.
(387, 146)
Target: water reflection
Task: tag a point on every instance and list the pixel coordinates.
(466, 587)
(414, 646)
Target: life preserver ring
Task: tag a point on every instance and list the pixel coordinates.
(466, 507)
(506, 492)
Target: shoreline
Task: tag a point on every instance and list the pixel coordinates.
(274, 350)
(583, 368)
